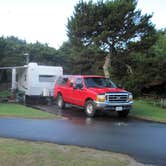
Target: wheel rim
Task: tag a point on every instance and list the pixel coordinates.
(89, 108)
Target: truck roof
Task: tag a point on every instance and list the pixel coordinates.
(85, 76)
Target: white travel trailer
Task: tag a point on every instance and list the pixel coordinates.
(35, 80)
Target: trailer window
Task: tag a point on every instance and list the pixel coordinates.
(46, 78)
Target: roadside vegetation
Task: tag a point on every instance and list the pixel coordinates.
(148, 110)
(141, 109)
(5, 93)
(16, 110)
(160, 102)
(18, 153)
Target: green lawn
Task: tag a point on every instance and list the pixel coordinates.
(16, 110)
(26, 153)
(144, 110)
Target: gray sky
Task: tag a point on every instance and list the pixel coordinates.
(45, 20)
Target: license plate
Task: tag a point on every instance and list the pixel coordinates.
(118, 108)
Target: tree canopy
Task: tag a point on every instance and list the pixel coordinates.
(114, 26)
(12, 52)
(148, 71)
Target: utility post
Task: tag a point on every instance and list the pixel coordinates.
(27, 57)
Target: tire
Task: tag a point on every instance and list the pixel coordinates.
(90, 108)
(60, 102)
(123, 114)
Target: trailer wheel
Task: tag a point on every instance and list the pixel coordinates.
(123, 114)
(60, 101)
(90, 108)
(27, 100)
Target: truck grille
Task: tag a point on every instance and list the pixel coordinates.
(116, 97)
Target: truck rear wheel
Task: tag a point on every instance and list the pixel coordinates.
(90, 108)
(123, 114)
(60, 101)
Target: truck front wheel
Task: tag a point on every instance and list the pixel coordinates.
(90, 108)
(123, 114)
(60, 101)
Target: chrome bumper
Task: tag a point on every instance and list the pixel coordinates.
(113, 106)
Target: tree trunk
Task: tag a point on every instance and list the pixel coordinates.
(129, 69)
(106, 66)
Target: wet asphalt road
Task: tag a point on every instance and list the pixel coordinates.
(145, 141)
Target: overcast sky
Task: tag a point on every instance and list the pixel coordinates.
(45, 20)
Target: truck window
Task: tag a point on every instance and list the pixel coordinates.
(99, 83)
(46, 78)
(62, 80)
(79, 83)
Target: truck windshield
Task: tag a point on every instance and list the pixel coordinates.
(99, 82)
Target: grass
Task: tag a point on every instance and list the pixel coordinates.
(145, 110)
(16, 110)
(160, 102)
(18, 153)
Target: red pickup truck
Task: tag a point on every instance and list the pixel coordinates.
(92, 93)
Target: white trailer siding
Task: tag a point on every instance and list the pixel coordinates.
(36, 79)
(14, 83)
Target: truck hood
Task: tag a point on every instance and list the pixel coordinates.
(107, 90)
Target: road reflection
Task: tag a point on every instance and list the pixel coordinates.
(77, 116)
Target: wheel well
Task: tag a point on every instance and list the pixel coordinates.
(87, 100)
(58, 93)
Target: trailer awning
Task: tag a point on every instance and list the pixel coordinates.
(13, 67)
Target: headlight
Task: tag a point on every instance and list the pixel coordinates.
(100, 98)
(130, 98)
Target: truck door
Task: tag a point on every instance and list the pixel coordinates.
(66, 89)
(78, 92)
